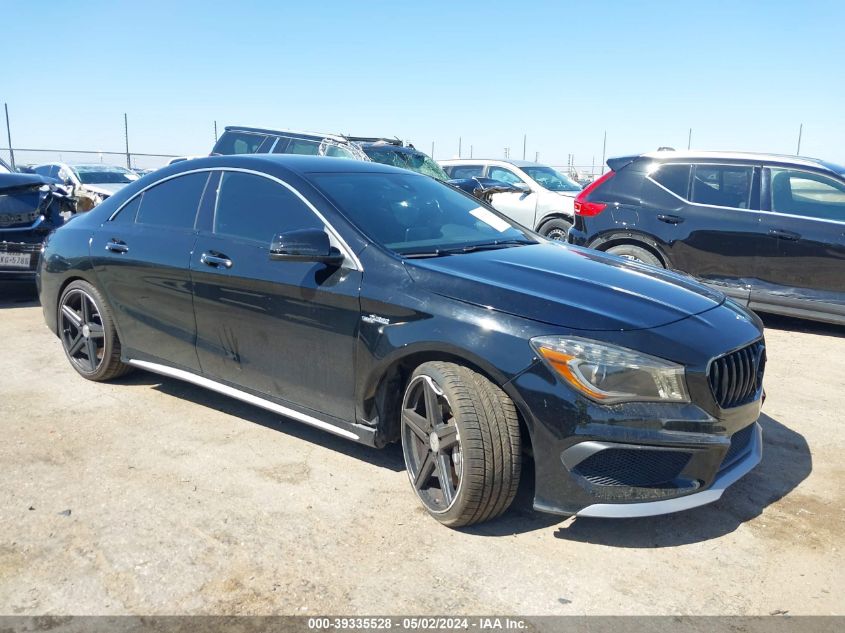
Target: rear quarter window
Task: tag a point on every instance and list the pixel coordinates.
(238, 143)
(674, 177)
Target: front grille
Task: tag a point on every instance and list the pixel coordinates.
(739, 443)
(736, 378)
(632, 467)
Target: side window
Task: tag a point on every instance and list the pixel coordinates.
(338, 152)
(45, 170)
(127, 214)
(302, 146)
(238, 143)
(257, 208)
(722, 185)
(674, 177)
(281, 145)
(466, 171)
(505, 175)
(806, 193)
(173, 203)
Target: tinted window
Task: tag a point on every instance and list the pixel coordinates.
(674, 177)
(128, 212)
(414, 214)
(722, 185)
(806, 193)
(281, 146)
(256, 208)
(505, 175)
(174, 202)
(465, 171)
(238, 143)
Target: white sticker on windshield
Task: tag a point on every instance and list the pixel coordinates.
(490, 218)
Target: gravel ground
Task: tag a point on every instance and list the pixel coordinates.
(151, 496)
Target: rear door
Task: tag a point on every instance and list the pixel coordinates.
(283, 329)
(521, 207)
(803, 265)
(713, 231)
(141, 258)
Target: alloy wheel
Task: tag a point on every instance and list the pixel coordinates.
(431, 444)
(82, 330)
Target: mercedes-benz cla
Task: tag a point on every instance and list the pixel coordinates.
(383, 306)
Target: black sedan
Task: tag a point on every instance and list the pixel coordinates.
(382, 306)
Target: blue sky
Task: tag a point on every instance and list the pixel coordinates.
(743, 75)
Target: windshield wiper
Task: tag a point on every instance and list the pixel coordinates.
(488, 246)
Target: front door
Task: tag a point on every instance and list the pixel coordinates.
(284, 330)
(521, 207)
(804, 262)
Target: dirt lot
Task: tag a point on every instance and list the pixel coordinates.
(152, 496)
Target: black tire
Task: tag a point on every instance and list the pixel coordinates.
(87, 332)
(480, 424)
(556, 229)
(637, 254)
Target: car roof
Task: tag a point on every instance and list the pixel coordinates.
(297, 163)
(733, 155)
(257, 130)
(476, 161)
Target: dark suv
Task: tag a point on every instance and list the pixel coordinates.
(768, 230)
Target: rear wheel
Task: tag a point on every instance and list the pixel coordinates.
(556, 229)
(636, 253)
(461, 443)
(88, 335)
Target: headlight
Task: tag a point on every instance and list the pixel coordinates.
(608, 373)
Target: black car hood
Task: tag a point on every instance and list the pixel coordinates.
(14, 181)
(566, 286)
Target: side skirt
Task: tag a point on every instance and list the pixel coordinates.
(357, 432)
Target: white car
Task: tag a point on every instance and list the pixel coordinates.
(90, 184)
(547, 204)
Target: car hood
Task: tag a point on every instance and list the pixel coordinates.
(105, 188)
(566, 286)
(13, 181)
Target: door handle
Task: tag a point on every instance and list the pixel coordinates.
(784, 235)
(670, 219)
(216, 260)
(116, 246)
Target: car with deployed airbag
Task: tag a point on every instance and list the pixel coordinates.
(384, 306)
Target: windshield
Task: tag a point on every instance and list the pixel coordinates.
(415, 161)
(104, 174)
(550, 179)
(413, 216)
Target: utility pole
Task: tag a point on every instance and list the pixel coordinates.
(524, 142)
(215, 131)
(9, 136)
(126, 136)
(470, 151)
(536, 157)
(603, 151)
(689, 139)
(459, 146)
(432, 150)
(507, 151)
(797, 151)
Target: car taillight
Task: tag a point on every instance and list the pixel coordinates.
(582, 206)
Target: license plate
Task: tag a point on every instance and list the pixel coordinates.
(15, 260)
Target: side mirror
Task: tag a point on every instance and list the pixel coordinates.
(521, 187)
(305, 245)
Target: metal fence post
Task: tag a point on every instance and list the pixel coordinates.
(126, 136)
(9, 136)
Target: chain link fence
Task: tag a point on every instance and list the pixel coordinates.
(30, 156)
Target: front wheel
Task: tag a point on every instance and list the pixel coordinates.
(556, 229)
(461, 443)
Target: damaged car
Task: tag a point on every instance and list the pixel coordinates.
(31, 206)
(88, 184)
